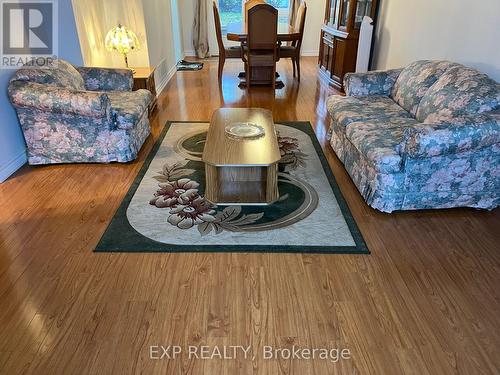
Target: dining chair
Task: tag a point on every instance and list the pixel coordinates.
(250, 4)
(260, 51)
(293, 51)
(233, 52)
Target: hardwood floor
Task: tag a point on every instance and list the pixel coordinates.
(426, 301)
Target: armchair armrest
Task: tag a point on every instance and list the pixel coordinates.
(462, 134)
(59, 100)
(107, 79)
(370, 83)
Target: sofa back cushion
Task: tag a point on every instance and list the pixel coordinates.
(61, 73)
(458, 92)
(414, 81)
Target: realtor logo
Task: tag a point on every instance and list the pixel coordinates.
(28, 32)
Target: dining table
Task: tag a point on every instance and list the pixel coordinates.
(237, 32)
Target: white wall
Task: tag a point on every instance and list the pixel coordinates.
(12, 146)
(314, 19)
(176, 27)
(310, 44)
(459, 30)
(94, 18)
(161, 37)
(186, 10)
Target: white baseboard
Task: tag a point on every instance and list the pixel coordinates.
(190, 53)
(313, 53)
(161, 86)
(13, 165)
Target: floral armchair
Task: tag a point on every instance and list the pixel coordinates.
(70, 114)
(426, 136)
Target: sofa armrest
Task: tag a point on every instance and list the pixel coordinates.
(107, 79)
(467, 133)
(59, 100)
(371, 83)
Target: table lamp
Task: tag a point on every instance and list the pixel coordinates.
(122, 40)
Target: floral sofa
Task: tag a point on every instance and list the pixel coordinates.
(426, 136)
(70, 114)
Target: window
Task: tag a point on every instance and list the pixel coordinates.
(282, 6)
(232, 11)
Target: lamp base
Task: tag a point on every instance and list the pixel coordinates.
(126, 63)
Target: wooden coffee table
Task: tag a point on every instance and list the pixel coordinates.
(239, 171)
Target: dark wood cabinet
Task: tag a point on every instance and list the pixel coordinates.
(340, 36)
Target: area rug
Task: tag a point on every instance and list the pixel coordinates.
(165, 210)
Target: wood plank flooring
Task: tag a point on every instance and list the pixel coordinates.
(426, 301)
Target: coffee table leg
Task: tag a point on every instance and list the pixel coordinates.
(272, 193)
(211, 183)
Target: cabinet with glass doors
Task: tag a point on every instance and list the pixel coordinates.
(340, 36)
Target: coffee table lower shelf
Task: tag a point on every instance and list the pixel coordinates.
(241, 185)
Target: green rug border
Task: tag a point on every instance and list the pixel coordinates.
(121, 237)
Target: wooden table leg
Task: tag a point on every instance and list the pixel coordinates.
(272, 193)
(211, 183)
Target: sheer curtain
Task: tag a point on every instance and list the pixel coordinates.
(200, 29)
(292, 11)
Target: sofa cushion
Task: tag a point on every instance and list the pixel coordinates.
(61, 74)
(347, 109)
(127, 107)
(379, 140)
(414, 81)
(462, 134)
(458, 92)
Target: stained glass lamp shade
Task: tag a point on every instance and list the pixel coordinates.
(122, 40)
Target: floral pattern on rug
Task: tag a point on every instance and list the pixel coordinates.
(188, 208)
(291, 156)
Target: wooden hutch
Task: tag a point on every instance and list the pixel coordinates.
(340, 36)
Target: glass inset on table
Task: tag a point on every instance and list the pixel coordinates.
(244, 130)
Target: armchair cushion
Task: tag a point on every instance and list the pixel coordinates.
(466, 133)
(347, 109)
(460, 91)
(55, 99)
(61, 73)
(127, 107)
(107, 79)
(415, 80)
(370, 83)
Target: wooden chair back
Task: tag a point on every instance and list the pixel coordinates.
(263, 28)
(300, 23)
(249, 4)
(218, 30)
